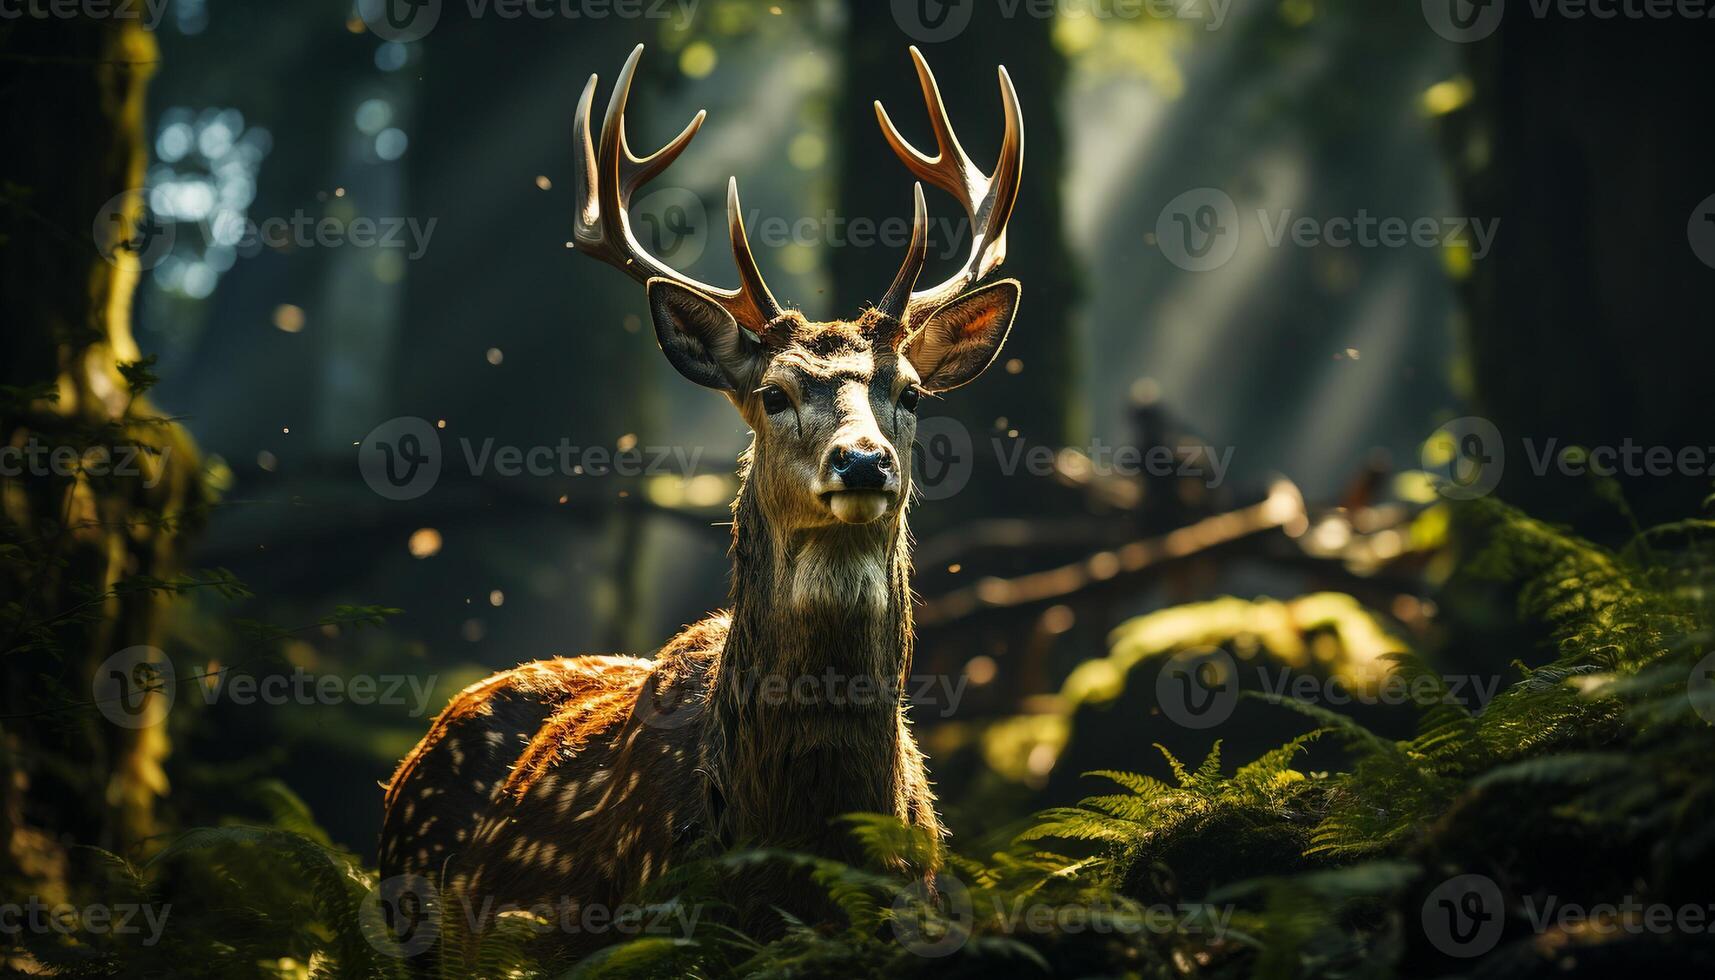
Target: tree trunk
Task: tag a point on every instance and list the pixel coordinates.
(1589, 321)
(71, 532)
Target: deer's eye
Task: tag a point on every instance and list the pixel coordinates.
(908, 398)
(774, 400)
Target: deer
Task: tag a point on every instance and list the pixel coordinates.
(575, 782)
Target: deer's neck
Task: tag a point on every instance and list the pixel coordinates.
(806, 703)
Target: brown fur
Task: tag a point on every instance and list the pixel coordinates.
(575, 781)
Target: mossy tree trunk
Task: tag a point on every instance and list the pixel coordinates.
(77, 539)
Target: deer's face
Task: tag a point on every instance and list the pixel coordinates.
(833, 405)
(834, 416)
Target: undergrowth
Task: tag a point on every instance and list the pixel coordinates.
(1584, 783)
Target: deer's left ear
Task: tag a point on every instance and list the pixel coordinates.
(700, 338)
(960, 340)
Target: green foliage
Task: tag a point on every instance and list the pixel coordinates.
(233, 901)
(40, 634)
(357, 617)
(268, 901)
(1586, 779)
(1604, 745)
(1152, 809)
(971, 917)
(139, 375)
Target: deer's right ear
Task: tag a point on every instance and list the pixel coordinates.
(960, 340)
(700, 338)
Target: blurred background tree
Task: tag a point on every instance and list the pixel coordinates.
(1579, 135)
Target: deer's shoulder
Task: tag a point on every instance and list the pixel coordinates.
(629, 752)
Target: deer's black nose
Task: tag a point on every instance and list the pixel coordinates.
(861, 469)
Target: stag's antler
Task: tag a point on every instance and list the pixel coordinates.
(608, 174)
(988, 199)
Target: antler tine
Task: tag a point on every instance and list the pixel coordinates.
(1008, 169)
(763, 306)
(608, 173)
(988, 199)
(642, 171)
(609, 188)
(898, 296)
(635, 171)
(585, 223)
(949, 167)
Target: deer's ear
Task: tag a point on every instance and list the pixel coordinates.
(960, 340)
(700, 338)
